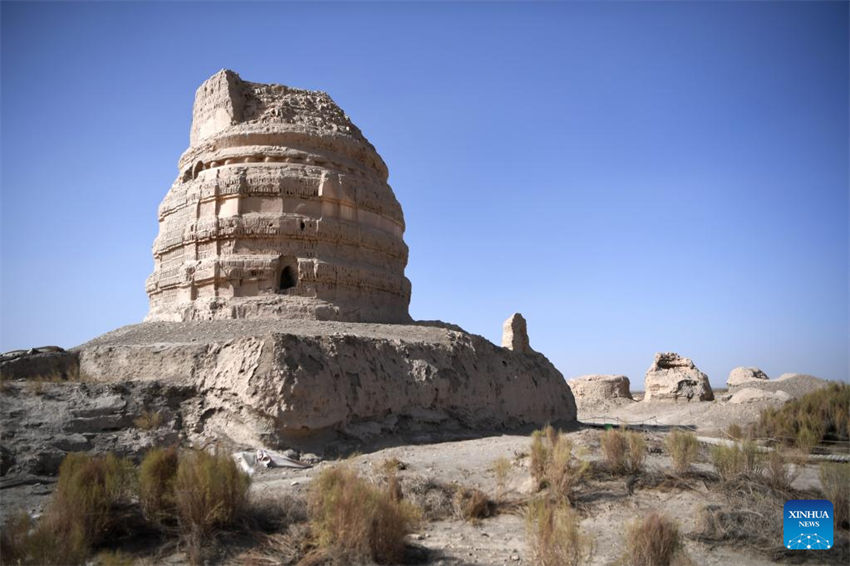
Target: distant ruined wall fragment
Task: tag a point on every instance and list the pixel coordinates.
(742, 375)
(515, 334)
(595, 388)
(281, 209)
(673, 377)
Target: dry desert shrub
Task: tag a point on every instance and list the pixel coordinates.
(156, 484)
(275, 512)
(501, 468)
(637, 451)
(539, 454)
(391, 466)
(80, 513)
(210, 492)
(87, 489)
(113, 558)
(738, 522)
(623, 451)
(354, 521)
(614, 450)
(683, 448)
(746, 513)
(835, 482)
(781, 469)
(652, 541)
(149, 420)
(17, 540)
(553, 464)
(473, 504)
(554, 534)
(433, 498)
(734, 431)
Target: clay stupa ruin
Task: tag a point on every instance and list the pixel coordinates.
(278, 295)
(281, 209)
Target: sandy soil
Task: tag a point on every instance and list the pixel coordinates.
(603, 501)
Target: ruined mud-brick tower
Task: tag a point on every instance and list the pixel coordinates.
(281, 209)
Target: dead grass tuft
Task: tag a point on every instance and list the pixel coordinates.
(623, 451)
(434, 498)
(835, 482)
(652, 541)
(15, 538)
(78, 517)
(391, 466)
(734, 431)
(501, 468)
(473, 504)
(273, 513)
(614, 450)
(354, 521)
(748, 515)
(553, 464)
(781, 469)
(149, 420)
(554, 536)
(113, 558)
(683, 448)
(637, 451)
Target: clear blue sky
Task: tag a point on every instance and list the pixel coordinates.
(632, 177)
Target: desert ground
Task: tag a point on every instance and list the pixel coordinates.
(432, 467)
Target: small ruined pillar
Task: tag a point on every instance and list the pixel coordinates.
(515, 334)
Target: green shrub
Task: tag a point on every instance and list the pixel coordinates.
(210, 492)
(554, 536)
(835, 482)
(683, 448)
(817, 416)
(354, 521)
(735, 460)
(808, 437)
(727, 461)
(157, 474)
(652, 541)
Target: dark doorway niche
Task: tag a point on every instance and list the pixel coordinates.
(288, 278)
